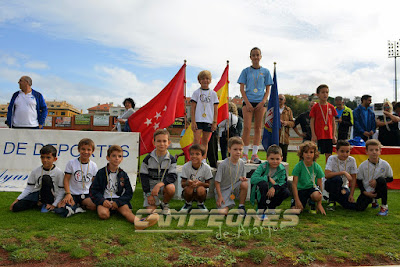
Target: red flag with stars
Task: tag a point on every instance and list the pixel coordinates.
(160, 112)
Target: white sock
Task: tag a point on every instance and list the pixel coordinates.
(189, 202)
(255, 150)
(241, 205)
(385, 207)
(246, 150)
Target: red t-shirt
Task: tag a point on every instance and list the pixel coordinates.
(319, 123)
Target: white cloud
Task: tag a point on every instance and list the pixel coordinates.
(36, 65)
(341, 43)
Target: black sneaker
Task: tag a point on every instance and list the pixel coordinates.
(186, 208)
(202, 207)
(242, 210)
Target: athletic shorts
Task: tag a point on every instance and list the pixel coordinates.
(78, 199)
(226, 195)
(153, 183)
(325, 146)
(254, 104)
(206, 127)
(305, 195)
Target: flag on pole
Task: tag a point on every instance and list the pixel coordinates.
(187, 141)
(222, 91)
(272, 117)
(160, 112)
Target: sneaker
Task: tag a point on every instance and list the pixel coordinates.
(165, 208)
(44, 209)
(255, 159)
(242, 210)
(79, 210)
(186, 208)
(331, 206)
(245, 158)
(383, 212)
(375, 205)
(70, 211)
(149, 221)
(202, 207)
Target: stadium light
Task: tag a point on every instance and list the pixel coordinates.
(393, 51)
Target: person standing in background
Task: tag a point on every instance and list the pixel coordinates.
(27, 109)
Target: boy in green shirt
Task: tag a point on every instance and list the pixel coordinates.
(268, 182)
(307, 174)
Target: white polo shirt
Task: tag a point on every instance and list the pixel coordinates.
(25, 113)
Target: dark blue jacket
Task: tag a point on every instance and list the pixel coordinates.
(360, 125)
(99, 185)
(41, 108)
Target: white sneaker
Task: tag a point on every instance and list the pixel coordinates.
(70, 211)
(165, 209)
(79, 210)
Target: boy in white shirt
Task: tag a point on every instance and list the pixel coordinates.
(204, 112)
(373, 174)
(340, 173)
(45, 184)
(79, 174)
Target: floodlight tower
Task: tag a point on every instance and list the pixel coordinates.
(393, 51)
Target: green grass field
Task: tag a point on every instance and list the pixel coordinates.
(340, 238)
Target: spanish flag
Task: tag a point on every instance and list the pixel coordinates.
(222, 91)
(388, 153)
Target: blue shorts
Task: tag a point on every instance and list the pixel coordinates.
(206, 127)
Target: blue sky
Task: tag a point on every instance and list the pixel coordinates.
(103, 51)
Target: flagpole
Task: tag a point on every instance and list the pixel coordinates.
(227, 78)
(184, 93)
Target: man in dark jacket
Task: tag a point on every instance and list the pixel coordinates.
(364, 119)
(344, 119)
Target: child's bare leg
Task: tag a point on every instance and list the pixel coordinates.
(197, 136)
(243, 192)
(151, 208)
(103, 212)
(327, 156)
(204, 140)
(188, 194)
(258, 122)
(169, 192)
(201, 194)
(127, 213)
(317, 198)
(88, 203)
(223, 211)
(247, 118)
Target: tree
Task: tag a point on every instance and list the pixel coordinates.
(297, 105)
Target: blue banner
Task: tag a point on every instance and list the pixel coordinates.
(272, 117)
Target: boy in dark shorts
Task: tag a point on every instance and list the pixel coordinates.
(322, 122)
(204, 111)
(111, 191)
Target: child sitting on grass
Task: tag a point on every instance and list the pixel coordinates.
(373, 174)
(307, 174)
(111, 191)
(45, 184)
(269, 185)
